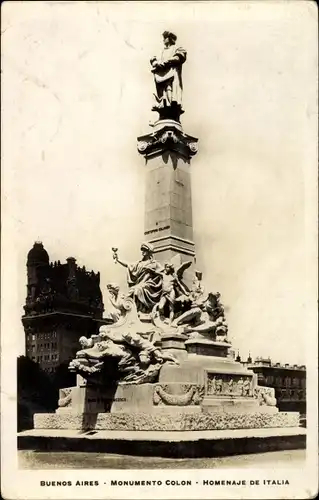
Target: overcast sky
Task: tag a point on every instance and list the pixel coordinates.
(77, 91)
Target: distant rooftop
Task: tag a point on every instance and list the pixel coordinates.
(267, 362)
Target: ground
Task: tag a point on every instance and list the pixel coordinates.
(80, 460)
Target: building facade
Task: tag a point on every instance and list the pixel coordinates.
(63, 303)
(289, 382)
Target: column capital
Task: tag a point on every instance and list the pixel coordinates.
(167, 136)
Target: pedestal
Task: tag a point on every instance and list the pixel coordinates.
(207, 347)
(175, 344)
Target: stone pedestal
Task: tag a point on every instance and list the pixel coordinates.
(207, 347)
(175, 344)
(122, 397)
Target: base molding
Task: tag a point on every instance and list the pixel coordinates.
(166, 444)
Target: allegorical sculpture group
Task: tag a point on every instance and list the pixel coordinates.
(157, 295)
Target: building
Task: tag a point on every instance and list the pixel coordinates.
(289, 382)
(63, 302)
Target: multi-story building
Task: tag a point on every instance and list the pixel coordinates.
(63, 302)
(289, 382)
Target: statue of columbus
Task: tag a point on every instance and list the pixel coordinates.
(167, 70)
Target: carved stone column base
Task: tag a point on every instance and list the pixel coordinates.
(175, 344)
(207, 347)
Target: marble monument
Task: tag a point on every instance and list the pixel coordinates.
(163, 362)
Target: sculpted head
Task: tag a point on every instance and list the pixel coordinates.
(144, 359)
(211, 302)
(213, 298)
(169, 268)
(113, 289)
(83, 342)
(169, 38)
(147, 250)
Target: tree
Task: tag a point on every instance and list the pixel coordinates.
(36, 392)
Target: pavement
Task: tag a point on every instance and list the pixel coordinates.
(30, 459)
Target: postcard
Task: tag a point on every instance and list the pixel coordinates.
(159, 250)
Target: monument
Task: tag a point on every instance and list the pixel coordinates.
(163, 362)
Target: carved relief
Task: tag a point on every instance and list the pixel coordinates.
(65, 397)
(265, 396)
(191, 395)
(229, 385)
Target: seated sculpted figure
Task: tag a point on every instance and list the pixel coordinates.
(144, 279)
(205, 317)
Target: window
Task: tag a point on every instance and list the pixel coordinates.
(33, 337)
(296, 382)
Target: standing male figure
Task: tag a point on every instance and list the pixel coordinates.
(167, 70)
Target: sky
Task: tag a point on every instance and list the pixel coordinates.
(77, 92)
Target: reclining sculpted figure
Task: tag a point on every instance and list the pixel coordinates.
(205, 317)
(138, 360)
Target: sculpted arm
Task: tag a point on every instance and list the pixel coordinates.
(173, 61)
(117, 260)
(178, 58)
(124, 264)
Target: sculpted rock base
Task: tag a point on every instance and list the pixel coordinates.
(165, 422)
